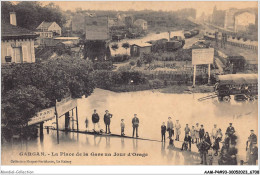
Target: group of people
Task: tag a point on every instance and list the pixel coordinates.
(107, 121)
(208, 145)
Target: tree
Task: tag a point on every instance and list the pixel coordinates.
(39, 85)
(114, 47)
(126, 46)
(147, 58)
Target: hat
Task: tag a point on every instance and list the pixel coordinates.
(251, 130)
(230, 123)
(169, 117)
(201, 125)
(106, 110)
(122, 119)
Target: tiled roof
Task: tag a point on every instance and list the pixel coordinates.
(96, 28)
(44, 25)
(9, 31)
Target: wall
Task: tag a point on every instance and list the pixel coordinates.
(26, 45)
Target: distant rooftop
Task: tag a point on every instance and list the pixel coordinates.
(9, 31)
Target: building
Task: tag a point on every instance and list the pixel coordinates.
(141, 23)
(230, 19)
(48, 29)
(137, 50)
(243, 21)
(96, 44)
(17, 44)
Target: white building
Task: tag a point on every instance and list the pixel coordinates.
(243, 20)
(17, 44)
(48, 29)
(141, 23)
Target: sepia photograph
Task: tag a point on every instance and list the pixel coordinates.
(129, 83)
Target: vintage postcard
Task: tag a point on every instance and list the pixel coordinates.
(129, 83)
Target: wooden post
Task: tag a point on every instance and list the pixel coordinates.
(72, 119)
(57, 124)
(41, 130)
(194, 75)
(209, 74)
(77, 118)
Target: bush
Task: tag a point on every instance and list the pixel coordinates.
(120, 58)
(124, 68)
(139, 63)
(156, 84)
(132, 63)
(106, 65)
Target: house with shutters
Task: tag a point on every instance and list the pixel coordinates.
(17, 44)
(48, 29)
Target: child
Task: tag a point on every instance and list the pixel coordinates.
(122, 127)
(163, 131)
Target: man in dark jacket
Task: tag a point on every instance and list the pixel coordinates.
(95, 119)
(187, 141)
(251, 139)
(230, 130)
(163, 131)
(203, 148)
(253, 154)
(135, 122)
(107, 120)
(201, 132)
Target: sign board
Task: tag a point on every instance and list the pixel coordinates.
(202, 56)
(43, 115)
(65, 105)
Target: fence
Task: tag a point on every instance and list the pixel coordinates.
(180, 77)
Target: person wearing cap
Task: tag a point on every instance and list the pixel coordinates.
(187, 129)
(253, 157)
(197, 136)
(201, 132)
(230, 130)
(178, 130)
(251, 139)
(170, 127)
(107, 120)
(214, 132)
(163, 131)
(95, 119)
(122, 127)
(135, 122)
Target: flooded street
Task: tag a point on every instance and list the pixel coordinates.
(155, 108)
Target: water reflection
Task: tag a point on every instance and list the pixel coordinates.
(151, 115)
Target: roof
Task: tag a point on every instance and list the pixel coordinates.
(9, 31)
(67, 38)
(140, 21)
(140, 44)
(238, 79)
(44, 25)
(96, 28)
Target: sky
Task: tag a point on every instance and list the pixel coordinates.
(200, 6)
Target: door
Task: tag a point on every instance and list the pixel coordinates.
(18, 54)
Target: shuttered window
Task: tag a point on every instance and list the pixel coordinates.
(25, 54)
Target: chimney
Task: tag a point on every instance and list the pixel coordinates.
(13, 18)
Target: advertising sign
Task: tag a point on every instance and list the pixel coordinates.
(44, 115)
(202, 56)
(65, 105)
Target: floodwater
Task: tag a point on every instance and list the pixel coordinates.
(152, 108)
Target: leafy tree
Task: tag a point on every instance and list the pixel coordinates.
(147, 58)
(114, 47)
(126, 46)
(29, 88)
